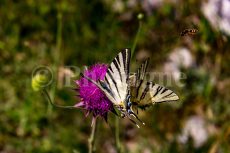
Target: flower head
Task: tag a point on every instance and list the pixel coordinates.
(92, 98)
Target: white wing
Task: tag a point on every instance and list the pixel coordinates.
(137, 79)
(149, 93)
(145, 93)
(117, 76)
(115, 84)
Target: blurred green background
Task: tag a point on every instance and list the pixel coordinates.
(83, 32)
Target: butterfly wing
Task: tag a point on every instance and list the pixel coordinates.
(117, 76)
(144, 93)
(150, 93)
(137, 79)
(115, 84)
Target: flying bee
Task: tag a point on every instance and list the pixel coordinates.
(187, 32)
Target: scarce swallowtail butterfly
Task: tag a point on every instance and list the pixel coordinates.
(126, 91)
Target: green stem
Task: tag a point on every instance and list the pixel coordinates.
(91, 139)
(58, 37)
(45, 92)
(136, 39)
(117, 133)
(51, 97)
(56, 57)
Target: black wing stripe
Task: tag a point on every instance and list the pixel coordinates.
(128, 62)
(140, 76)
(114, 82)
(117, 67)
(118, 60)
(144, 68)
(104, 86)
(169, 95)
(141, 71)
(158, 90)
(137, 74)
(163, 91)
(124, 55)
(145, 91)
(121, 56)
(110, 69)
(107, 82)
(126, 59)
(138, 88)
(166, 101)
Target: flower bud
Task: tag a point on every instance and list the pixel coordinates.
(39, 82)
(140, 16)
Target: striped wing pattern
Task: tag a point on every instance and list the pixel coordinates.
(137, 79)
(115, 84)
(117, 77)
(144, 93)
(150, 92)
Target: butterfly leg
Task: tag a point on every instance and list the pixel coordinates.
(129, 110)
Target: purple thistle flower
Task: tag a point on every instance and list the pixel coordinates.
(93, 100)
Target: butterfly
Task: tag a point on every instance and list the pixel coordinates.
(187, 32)
(127, 91)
